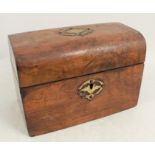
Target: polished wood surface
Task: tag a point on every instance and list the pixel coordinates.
(47, 55)
(53, 64)
(57, 105)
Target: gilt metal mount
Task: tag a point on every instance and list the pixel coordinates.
(90, 88)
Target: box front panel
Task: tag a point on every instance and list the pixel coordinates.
(62, 104)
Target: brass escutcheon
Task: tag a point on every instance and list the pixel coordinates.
(75, 31)
(90, 88)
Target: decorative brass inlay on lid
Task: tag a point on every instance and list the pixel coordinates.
(76, 31)
(90, 88)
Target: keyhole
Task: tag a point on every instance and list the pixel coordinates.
(91, 85)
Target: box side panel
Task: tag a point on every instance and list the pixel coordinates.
(16, 81)
(57, 105)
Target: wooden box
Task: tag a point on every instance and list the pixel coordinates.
(72, 75)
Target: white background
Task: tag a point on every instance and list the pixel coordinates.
(136, 124)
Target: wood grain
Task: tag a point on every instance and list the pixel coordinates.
(45, 56)
(57, 105)
(52, 65)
